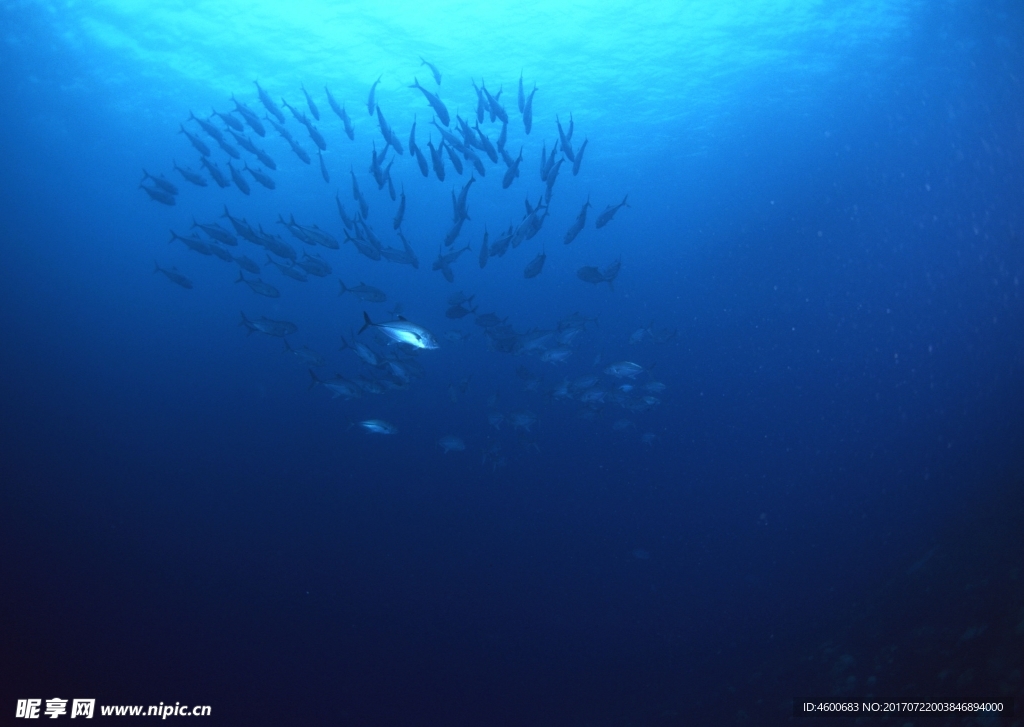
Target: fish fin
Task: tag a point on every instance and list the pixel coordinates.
(366, 317)
(343, 288)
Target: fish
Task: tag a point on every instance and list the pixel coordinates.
(268, 326)
(523, 419)
(453, 157)
(456, 312)
(174, 276)
(481, 105)
(435, 103)
(534, 267)
(281, 130)
(577, 226)
(316, 136)
(342, 114)
(250, 117)
(513, 171)
(436, 160)
(338, 386)
(215, 172)
(309, 102)
(486, 145)
(564, 141)
(451, 443)
(400, 214)
(403, 331)
(483, 250)
(444, 260)
(212, 131)
(259, 287)
(291, 270)
(624, 370)
(459, 209)
(365, 293)
(314, 265)
(299, 151)
(246, 264)
(522, 96)
(609, 212)
(611, 272)
(528, 111)
(221, 253)
(552, 177)
(217, 232)
(393, 139)
(371, 101)
(268, 103)
(244, 142)
(242, 227)
(364, 352)
(378, 426)
(305, 354)
(450, 138)
(341, 212)
(264, 158)
(477, 164)
(410, 255)
(260, 176)
(238, 179)
(299, 116)
(413, 148)
(556, 355)
(160, 182)
(502, 139)
(496, 109)
(579, 157)
(364, 246)
(433, 70)
(453, 233)
(590, 274)
(228, 149)
(274, 244)
(500, 246)
(487, 320)
(198, 143)
(158, 195)
(391, 184)
(323, 167)
(364, 209)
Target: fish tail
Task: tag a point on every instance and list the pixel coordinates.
(156, 267)
(315, 380)
(241, 278)
(343, 288)
(368, 323)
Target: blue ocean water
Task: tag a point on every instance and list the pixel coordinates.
(811, 490)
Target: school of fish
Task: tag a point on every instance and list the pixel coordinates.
(231, 148)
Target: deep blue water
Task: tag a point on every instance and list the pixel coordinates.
(821, 262)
